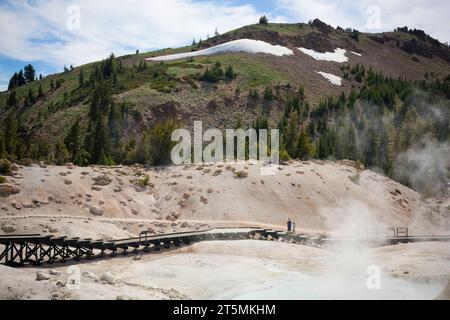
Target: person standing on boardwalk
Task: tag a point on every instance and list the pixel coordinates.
(289, 225)
(293, 227)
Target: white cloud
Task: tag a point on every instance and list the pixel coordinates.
(421, 14)
(38, 31)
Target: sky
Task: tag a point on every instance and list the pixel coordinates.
(52, 33)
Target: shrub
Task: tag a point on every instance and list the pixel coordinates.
(5, 167)
(284, 156)
(268, 94)
(229, 73)
(26, 162)
(144, 182)
(156, 145)
(214, 74)
(2, 179)
(359, 165)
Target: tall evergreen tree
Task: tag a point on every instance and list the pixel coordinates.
(3, 153)
(12, 100)
(291, 135)
(10, 135)
(305, 149)
(113, 125)
(29, 73)
(13, 82)
(21, 81)
(73, 139)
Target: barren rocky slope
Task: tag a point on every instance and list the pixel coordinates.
(120, 201)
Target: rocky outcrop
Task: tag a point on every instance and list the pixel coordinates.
(7, 189)
(102, 180)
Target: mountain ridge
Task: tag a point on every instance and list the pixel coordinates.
(385, 70)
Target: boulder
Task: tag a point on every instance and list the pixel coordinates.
(96, 211)
(108, 278)
(60, 283)
(7, 189)
(28, 205)
(203, 200)
(89, 274)
(102, 180)
(54, 272)
(8, 229)
(40, 276)
(16, 206)
(186, 196)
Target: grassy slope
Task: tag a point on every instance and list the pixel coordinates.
(144, 93)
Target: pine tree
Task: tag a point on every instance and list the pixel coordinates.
(101, 142)
(110, 68)
(105, 159)
(351, 148)
(291, 135)
(82, 158)
(10, 135)
(101, 101)
(263, 20)
(61, 153)
(305, 149)
(112, 124)
(73, 139)
(21, 81)
(229, 73)
(13, 82)
(12, 99)
(29, 73)
(326, 146)
(40, 91)
(81, 78)
(3, 153)
(31, 98)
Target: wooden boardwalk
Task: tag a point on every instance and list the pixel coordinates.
(34, 249)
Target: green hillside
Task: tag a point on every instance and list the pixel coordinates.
(393, 97)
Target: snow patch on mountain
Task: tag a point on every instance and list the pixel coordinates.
(331, 77)
(241, 45)
(337, 56)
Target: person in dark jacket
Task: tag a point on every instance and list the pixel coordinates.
(289, 225)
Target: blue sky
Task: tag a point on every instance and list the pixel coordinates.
(53, 33)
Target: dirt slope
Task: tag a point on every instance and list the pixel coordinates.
(114, 202)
